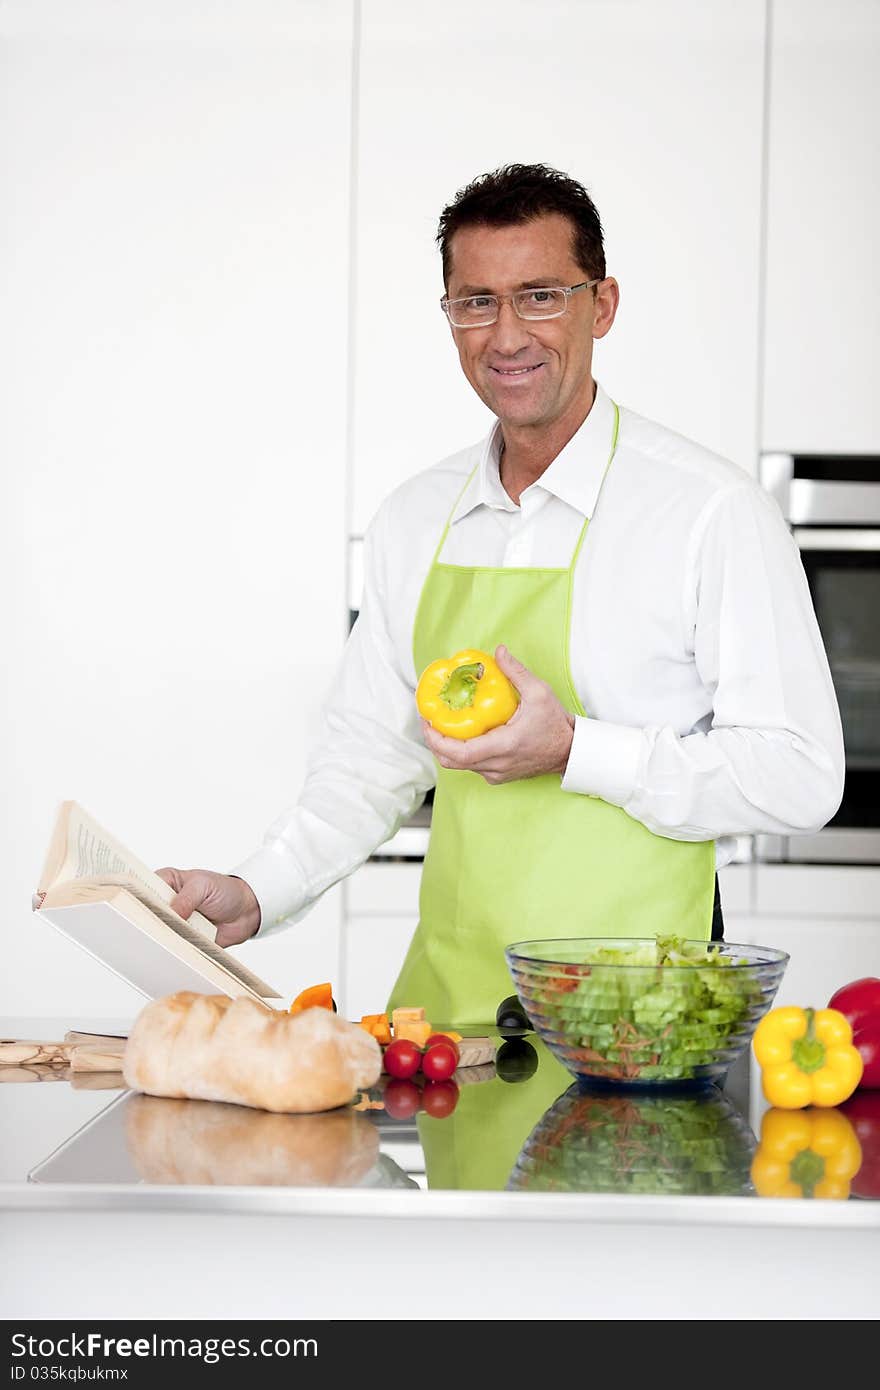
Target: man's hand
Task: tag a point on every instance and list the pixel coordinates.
(536, 739)
(228, 902)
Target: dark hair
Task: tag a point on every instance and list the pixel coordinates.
(517, 193)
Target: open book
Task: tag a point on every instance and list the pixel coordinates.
(105, 900)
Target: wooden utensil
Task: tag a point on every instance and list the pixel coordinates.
(93, 1039)
(41, 1071)
(79, 1051)
(20, 1052)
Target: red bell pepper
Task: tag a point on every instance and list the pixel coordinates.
(863, 1112)
(859, 1002)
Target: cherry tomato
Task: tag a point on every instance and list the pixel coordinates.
(402, 1098)
(447, 1042)
(439, 1098)
(402, 1058)
(439, 1062)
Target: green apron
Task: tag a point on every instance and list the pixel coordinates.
(525, 859)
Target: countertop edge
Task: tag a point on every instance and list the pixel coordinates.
(589, 1208)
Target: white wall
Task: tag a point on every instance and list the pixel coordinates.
(657, 107)
(175, 180)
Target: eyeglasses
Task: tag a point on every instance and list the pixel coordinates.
(479, 310)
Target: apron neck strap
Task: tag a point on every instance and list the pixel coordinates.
(470, 477)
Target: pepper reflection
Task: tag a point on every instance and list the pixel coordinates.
(646, 1142)
(806, 1153)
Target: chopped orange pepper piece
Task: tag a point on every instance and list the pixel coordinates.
(377, 1026)
(315, 997)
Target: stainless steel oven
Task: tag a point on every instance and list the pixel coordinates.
(832, 505)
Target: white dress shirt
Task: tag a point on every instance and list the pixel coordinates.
(694, 649)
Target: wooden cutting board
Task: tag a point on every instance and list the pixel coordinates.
(80, 1051)
(105, 1057)
(24, 1052)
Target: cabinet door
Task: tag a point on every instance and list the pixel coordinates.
(826, 952)
(656, 106)
(822, 333)
(373, 950)
(380, 915)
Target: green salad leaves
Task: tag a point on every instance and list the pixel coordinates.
(648, 1022)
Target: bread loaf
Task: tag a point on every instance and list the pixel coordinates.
(197, 1141)
(208, 1047)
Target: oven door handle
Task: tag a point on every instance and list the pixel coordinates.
(828, 538)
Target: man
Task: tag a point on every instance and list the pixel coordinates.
(641, 593)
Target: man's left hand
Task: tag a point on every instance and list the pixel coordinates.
(535, 740)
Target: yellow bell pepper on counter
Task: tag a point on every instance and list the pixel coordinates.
(806, 1057)
(465, 695)
(805, 1153)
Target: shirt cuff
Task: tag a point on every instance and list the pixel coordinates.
(278, 886)
(604, 760)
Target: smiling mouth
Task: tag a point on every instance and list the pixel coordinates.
(512, 372)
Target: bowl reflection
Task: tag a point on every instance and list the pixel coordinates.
(645, 1142)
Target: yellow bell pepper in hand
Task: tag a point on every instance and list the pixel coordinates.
(465, 695)
(806, 1153)
(806, 1057)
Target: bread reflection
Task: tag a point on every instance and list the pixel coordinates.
(215, 1144)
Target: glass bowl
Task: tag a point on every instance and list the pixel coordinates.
(645, 1011)
(686, 1144)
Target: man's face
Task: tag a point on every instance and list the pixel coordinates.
(531, 373)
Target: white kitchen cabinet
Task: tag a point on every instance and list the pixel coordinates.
(657, 107)
(826, 952)
(822, 330)
(818, 890)
(736, 883)
(380, 915)
(826, 916)
(374, 949)
(384, 889)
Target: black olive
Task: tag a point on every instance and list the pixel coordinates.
(510, 1018)
(516, 1060)
(333, 1002)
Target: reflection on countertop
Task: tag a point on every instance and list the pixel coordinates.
(520, 1129)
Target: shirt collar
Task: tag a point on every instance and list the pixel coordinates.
(575, 475)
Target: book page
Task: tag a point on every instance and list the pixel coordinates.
(87, 890)
(87, 851)
(91, 852)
